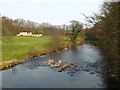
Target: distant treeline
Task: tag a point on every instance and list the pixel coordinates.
(12, 27)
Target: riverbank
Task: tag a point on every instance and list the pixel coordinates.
(81, 63)
(17, 49)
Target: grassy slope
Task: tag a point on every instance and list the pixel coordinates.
(14, 47)
(18, 47)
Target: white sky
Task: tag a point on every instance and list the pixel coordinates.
(52, 11)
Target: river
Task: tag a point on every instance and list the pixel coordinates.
(32, 75)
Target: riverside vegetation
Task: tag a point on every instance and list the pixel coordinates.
(16, 49)
(105, 34)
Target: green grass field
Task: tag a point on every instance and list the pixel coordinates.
(14, 47)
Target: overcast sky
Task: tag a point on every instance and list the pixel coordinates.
(56, 12)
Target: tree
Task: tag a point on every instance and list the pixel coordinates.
(7, 26)
(76, 27)
(106, 25)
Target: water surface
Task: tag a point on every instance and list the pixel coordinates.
(32, 75)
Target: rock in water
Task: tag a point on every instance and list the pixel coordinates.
(59, 70)
(71, 74)
(37, 64)
(51, 61)
(91, 72)
(55, 66)
(65, 66)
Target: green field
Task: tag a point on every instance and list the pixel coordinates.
(14, 47)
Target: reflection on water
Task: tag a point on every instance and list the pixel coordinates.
(32, 75)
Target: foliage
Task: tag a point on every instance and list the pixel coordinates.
(12, 27)
(106, 26)
(33, 52)
(76, 27)
(57, 41)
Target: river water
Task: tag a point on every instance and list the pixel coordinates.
(32, 75)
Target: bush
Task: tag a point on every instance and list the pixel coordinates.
(33, 52)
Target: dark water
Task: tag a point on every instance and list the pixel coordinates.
(32, 75)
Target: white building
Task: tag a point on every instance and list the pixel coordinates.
(28, 34)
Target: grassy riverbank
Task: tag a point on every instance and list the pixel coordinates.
(17, 49)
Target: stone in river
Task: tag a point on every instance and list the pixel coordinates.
(65, 66)
(80, 68)
(87, 69)
(97, 71)
(59, 70)
(91, 72)
(37, 64)
(71, 74)
(68, 72)
(75, 65)
(77, 69)
(96, 64)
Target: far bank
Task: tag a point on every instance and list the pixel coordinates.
(16, 49)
